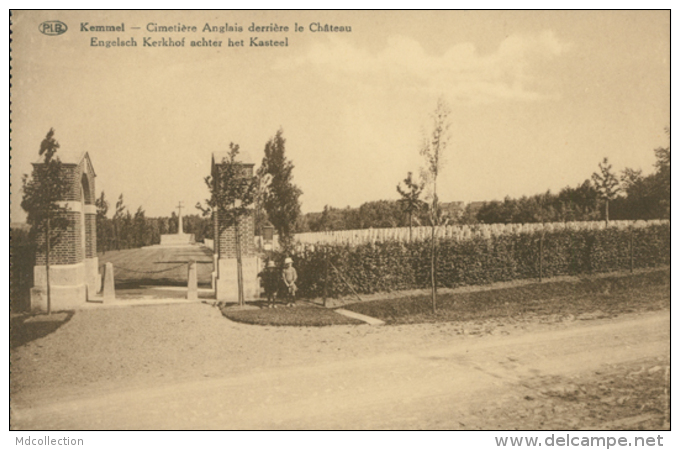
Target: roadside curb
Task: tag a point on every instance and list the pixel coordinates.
(351, 314)
(136, 302)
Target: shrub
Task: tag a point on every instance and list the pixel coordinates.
(21, 262)
(395, 265)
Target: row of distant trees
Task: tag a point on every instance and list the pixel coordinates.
(629, 195)
(124, 230)
(375, 214)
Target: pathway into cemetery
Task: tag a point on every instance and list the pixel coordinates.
(187, 367)
(158, 272)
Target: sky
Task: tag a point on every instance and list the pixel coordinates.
(537, 99)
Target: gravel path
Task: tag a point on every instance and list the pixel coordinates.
(185, 366)
(98, 349)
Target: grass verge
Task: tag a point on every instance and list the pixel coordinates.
(26, 328)
(606, 295)
(299, 316)
(625, 396)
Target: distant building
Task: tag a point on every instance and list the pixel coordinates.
(475, 206)
(452, 209)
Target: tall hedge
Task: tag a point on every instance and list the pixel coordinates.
(392, 266)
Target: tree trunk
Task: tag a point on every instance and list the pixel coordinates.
(432, 256)
(325, 280)
(216, 245)
(239, 265)
(410, 227)
(47, 266)
(540, 257)
(115, 234)
(632, 238)
(606, 213)
(432, 272)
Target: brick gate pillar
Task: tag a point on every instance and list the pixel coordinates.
(74, 275)
(225, 278)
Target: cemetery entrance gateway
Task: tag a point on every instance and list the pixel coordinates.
(75, 276)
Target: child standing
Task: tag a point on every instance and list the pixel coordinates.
(270, 281)
(289, 278)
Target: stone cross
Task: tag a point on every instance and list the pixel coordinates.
(180, 229)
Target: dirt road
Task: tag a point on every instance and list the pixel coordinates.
(413, 377)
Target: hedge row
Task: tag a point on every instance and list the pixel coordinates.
(21, 262)
(393, 266)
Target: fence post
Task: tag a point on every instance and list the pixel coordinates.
(540, 258)
(109, 291)
(325, 279)
(347, 283)
(192, 284)
(632, 237)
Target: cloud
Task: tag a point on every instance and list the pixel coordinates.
(507, 74)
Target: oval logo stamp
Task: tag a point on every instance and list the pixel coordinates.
(53, 28)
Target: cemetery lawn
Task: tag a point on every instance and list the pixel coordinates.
(587, 298)
(158, 266)
(302, 315)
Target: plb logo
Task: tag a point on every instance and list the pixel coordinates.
(53, 28)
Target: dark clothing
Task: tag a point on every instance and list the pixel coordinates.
(270, 281)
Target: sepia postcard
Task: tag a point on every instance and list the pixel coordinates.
(341, 220)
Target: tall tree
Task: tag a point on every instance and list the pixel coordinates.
(140, 232)
(42, 191)
(232, 192)
(578, 203)
(607, 185)
(433, 149)
(376, 214)
(281, 199)
(127, 230)
(663, 174)
(410, 199)
(173, 223)
(647, 196)
(325, 221)
(261, 220)
(117, 219)
(102, 223)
